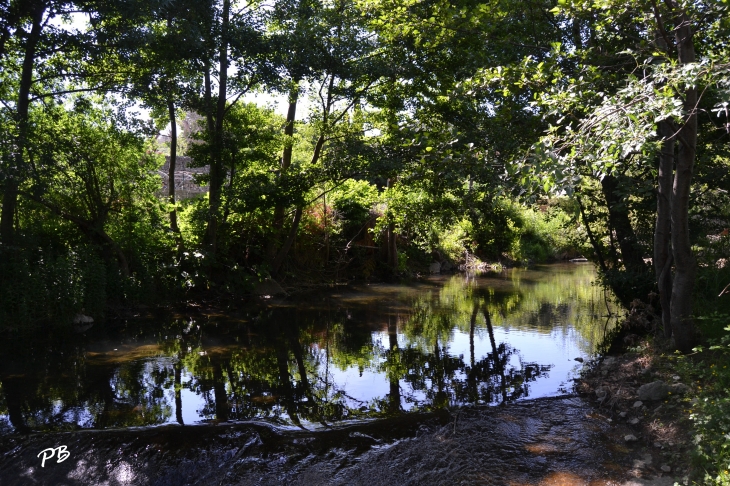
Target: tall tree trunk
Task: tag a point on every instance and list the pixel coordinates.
(280, 208)
(618, 218)
(391, 237)
(591, 236)
(684, 261)
(10, 193)
(662, 230)
(171, 169)
(216, 161)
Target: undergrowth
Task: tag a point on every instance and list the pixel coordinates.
(708, 368)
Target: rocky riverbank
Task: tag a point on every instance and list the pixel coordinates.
(641, 397)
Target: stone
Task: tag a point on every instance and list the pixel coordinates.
(630, 438)
(435, 267)
(657, 390)
(638, 404)
(666, 468)
(609, 362)
(675, 377)
(657, 445)
(634, 421)
(601, 392)
(622, 415)
(579, 360)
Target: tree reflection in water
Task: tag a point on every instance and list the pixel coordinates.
(297, 366)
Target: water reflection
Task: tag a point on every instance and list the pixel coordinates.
(367, 353)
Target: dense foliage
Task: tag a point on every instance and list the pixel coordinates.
(432, 132)
(416, 133)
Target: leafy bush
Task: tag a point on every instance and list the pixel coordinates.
(710, 410)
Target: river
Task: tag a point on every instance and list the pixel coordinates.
(379, 361)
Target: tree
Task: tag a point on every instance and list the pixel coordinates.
(86, 166)
(340, 68)
(617, 129)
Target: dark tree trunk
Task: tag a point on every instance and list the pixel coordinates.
(216, 173)
(618, 219)
(286, 155)
(173, 162)
(591, 236)
(280, 207)
(684, 261)
(10, 193)
(662, 230)
(391, 241)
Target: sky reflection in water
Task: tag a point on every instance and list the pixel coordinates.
(365, 352)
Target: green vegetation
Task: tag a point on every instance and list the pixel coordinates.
(414, 133)
(710, 407)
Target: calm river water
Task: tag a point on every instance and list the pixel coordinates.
(361, 352)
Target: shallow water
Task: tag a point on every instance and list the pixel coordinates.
(361, 352)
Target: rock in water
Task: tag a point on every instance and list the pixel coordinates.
(435, 267)
(657, 390)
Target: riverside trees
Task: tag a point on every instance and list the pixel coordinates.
(436, 117)
(622, 111)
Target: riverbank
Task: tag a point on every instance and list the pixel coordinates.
(676, 407)
(647, 406)
(561, 440)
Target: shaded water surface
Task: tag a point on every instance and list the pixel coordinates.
(356, 353)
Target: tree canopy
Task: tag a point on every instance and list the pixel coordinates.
(446, 132)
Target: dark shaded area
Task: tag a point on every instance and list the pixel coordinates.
(545, 440)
